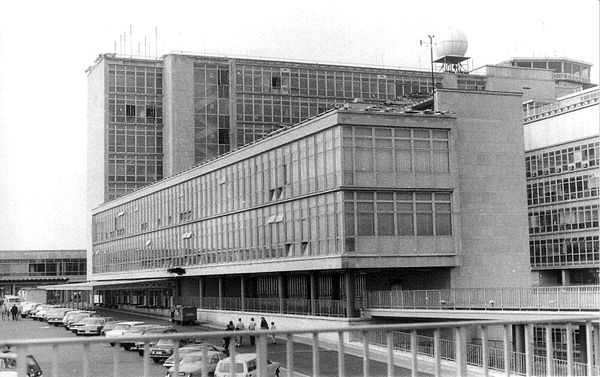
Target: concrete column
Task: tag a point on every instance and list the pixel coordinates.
(221, 288)
(583, 343)
(243, 292)
(350, 294)
(313, 293)
(281, 290)
(565, 277)
(597, 345)
(518, 335)
(200, 291)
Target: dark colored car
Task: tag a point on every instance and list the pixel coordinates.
(139, 345)
(136, 331)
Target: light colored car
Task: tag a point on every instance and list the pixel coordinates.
(191, 364)
(245, 366)
(28, 307)
(70, 315)
(136, 331)
(8, 365)
(55, 316)
(94, 325)
(76, 319)
(119, 330)
(191, 348)
(38, 313)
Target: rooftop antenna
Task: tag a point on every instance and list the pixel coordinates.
(431, 57)
(130, 41)
(156, 42)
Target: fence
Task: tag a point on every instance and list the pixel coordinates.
(581, 298)
(457, 353)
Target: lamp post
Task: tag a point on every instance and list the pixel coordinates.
(431, 56)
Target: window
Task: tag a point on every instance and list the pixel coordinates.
(130, 110)
(150, 112)
(276, 82)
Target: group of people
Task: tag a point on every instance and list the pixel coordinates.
(8, 312)
(239, 326)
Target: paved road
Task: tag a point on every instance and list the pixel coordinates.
(130, 363)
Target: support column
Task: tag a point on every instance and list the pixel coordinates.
(243, 293)
(281, 291)
(221, 287)
(200, 291)
(350, 294)
(583, 343)
(313, 293)
(518, 338)
(565, 277)
(597, 345)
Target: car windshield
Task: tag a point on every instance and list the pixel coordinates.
(95, 321)
(224, 368)
(122, 326)
(165, 342)
(137, 329)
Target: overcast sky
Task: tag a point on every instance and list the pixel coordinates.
(45, 47)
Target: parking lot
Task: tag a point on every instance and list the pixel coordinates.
(69, 358)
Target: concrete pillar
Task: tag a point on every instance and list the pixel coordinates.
(243, 293)
(313, 293)
(518, 335)
(221, 288)
(200, 291)
(597, 345)
(565, 277)
(281, 291)
(350, 294)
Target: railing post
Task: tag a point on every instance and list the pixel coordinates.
(390, 354)
(528, 353)
(507, 350)
(86, 360)
(261, 357)
(413, 353)
(569, 350)
(484, 350)
(341, 356)
(315, 356)
(365, 335)
(589, 348)
(437, 352)
(549, 351)
(461, 351)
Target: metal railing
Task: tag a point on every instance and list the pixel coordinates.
(457, 353)
(581, 298)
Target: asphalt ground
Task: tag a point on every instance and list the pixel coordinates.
(70, 357)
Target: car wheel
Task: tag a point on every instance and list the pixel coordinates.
(126, 347)
(157, 361)
(112, 344)
(141, 352)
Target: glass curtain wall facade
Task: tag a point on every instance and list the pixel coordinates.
(283, 203)
(562, 194)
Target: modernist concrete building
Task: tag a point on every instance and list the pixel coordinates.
(303, 222)
(149, 119)
(563, 172)
(30, 268)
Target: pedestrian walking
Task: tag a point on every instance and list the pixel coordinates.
(239, 326)
(252, 327)
(227, 339)
(14, 310)
(263, 324)
(3, 311)
(20, 310)
(273, 341)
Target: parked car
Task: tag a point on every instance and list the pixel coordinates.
(8, 365)
(164, 349)
(94, 325)
(245, 365)
(139, 345)
(136, 331)
(191, 364)
(41, 311)
(55, 316)
(28, 307)
(119, 329)
(191, 348)
(76, 318)
(70, 315)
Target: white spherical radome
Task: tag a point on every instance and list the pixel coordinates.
(452, 42)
